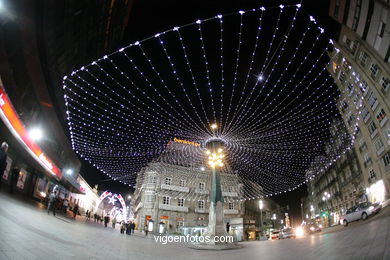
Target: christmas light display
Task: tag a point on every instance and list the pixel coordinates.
(259, 76)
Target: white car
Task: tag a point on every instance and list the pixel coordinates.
(361, 211)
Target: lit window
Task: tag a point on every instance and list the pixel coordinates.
(381, 116)
(200, 204)
(180, 202)
(166, 200)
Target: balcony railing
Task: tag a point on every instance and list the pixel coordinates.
(229, 194)
(173, 208)
(230, 211)
(174, 188)
(198, 210)
(201, 191)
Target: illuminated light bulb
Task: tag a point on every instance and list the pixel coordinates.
(157, 35)
(219, 16)
(198, 21)
(241, 12)
(208, 152)
(136, 43)
(121, 49)
(220, 150)
(214, 126)
(260, 78)
(175, 28)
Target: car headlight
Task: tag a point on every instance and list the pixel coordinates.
(312, 228)
(299, 232)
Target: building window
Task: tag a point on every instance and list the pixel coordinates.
(336, 9)
(183, 183)
(350, 88)
(180, 202)
(378, 145)
(179, 224)
(200, 204)
(373, 101)
(356, 15)
(365, 114)
(166, 200)
(152, 179)
(364, 58)
(201, 185)
(386, 160)
(231, 205)
(168, 181)
(230, 189)
(374, 70)
(381, 116)
(149, 198)
(372, 128)
(364, 87)
(385, 83)
(371, 174)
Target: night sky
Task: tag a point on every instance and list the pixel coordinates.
(150, 17)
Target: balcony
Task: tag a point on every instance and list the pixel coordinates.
(229, 194)
(174, 188)
(173, 208)
(197, 210)
(230, 211)
(201, 191)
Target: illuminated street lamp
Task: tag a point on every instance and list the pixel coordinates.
(214, 126)
(35, 134)
(69, 171)
(261, 216)
(325, 198)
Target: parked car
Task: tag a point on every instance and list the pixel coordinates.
(377, 207)
(287, 233)
(361, 211)
(274, 235)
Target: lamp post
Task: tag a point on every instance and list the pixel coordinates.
(325, 198)
(261, 216)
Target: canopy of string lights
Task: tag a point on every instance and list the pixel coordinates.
(258, 76)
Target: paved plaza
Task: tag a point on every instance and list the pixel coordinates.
(28, 232)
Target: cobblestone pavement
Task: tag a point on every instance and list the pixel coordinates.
(28, 232)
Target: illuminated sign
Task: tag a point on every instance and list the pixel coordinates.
(11, 119)
(176, 140)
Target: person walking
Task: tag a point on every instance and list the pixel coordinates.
(106, 220)
(52, 202)
(113, 223)
(3, 159)
(86, 214)
(75, 210)
(227, 227)
(123, 227)
(132, 227)
(146, 230)
(65, 205)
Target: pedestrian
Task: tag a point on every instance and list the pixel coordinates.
(113, 223)
(128, 231)
(86, 214)
(13, 179)
(146, 230)
(75, 210)
(52, 202)
(106, 220)
(227, 227)
(123, 227)
(132, 227)
(3, 159)
(65, 205)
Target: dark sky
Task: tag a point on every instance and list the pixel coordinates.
(149, 17)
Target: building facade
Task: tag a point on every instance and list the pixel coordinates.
(360, 66)
(40, 42)
(178, 196)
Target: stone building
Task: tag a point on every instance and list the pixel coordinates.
(360, 67)
(177, 195)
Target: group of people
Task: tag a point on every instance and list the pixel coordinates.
(127, 228)
(54, 203)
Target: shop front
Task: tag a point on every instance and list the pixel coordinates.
(377, 192)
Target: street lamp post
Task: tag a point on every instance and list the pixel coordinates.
(325, 198)
(261, 216)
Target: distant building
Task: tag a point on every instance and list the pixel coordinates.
(360, 66)
(177, 196)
